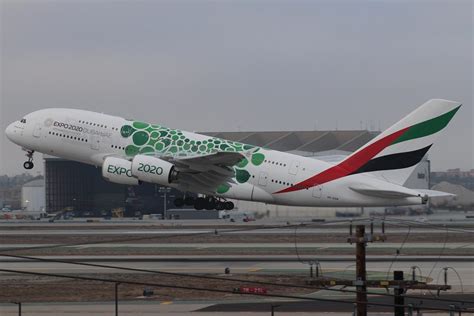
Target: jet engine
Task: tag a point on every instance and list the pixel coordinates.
(154, 170)
(118, 170)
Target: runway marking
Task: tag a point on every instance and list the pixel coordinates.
(166, 303)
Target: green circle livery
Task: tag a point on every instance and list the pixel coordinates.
(156, 140)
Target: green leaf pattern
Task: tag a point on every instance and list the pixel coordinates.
(155, 139)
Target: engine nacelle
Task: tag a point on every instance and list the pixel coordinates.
(118, 170)
(154, 170)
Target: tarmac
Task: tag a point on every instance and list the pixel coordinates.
(340, 264)
(240, 308)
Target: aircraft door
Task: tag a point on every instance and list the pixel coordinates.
(318, 191)
(263, 179)
(37, 130)
(95, 142)
(294, 167)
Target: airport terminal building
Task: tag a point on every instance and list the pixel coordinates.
(80, 188)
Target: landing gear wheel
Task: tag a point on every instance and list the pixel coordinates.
(189, 201)
(29, 164)
(210, 204)
(199, 203)
(229, 206)
(220, 205)
(179, 202)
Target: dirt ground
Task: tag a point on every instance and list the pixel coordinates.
(46, 289)
(249, 238)
(245, 237)
(127, 251)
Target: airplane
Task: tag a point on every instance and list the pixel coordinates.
(131, 152)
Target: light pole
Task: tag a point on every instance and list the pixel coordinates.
(273, 309)
(19, 307)
(116, 298)
(164, 190)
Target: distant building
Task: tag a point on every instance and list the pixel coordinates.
(454, 176)
(33, 196)
(78, 187)
(455, 173)
(11, 196)
(463, 198)
(10, 189)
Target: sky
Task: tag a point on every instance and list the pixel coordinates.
(240, 65)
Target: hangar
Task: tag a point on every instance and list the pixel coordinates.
(79, 187)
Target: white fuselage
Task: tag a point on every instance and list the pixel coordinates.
(90, 137)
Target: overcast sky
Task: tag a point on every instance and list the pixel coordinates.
(240, 65)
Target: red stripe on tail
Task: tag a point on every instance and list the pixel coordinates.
(348, 166)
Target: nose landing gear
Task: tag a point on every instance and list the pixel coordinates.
(29, 164)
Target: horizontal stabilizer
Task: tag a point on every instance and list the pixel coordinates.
(433, 193)
(392, 191)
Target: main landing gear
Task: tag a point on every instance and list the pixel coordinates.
(207, 203)
(29, 164)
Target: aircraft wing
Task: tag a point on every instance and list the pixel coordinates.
(204, 173)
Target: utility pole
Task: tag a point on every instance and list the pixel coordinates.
(398, 298)
(400, 286)
(361, 273)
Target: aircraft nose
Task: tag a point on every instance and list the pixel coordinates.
(10, 131)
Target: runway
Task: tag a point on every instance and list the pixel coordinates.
(239, 308)
(141, 307)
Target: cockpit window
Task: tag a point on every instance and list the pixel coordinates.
(23, 120)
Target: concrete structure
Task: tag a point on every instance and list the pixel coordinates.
(33, 196)
(71, 184)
